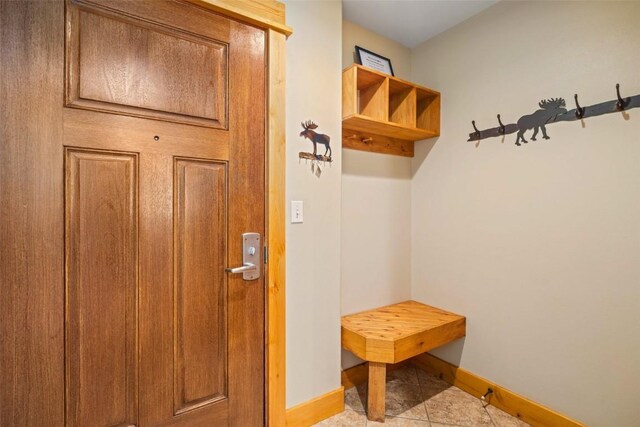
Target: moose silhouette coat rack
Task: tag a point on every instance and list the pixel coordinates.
(552, 111)
(315, 138)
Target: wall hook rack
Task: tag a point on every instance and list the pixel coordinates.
(551, 111)
(501, 129)
(579, 109)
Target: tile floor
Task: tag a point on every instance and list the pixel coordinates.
(417, 399)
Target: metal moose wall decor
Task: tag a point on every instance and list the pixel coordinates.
(316, 139)
(552, 111)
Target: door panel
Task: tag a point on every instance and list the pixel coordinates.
(200, 286)
(101, 290)
(133, 66)
(144, 200)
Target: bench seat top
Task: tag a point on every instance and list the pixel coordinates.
(400, 331)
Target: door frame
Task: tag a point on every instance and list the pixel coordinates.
(270, 15)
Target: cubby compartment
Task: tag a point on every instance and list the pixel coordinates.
(402, 103)
(371, 94)
(428, 110)
(385, 114)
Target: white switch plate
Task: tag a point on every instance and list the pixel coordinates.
(297, 211)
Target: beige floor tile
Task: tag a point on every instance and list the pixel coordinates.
(453, 406)
(406, 409)
(355, 398)
(428, 381)
(347, 418)
(502, 419)
(399, 422)
(406, 374)
(397, 390)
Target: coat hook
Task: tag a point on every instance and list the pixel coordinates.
(477, 132)
(620, 104)
(502, 128)
(579, 109)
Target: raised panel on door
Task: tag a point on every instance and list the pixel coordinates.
(200, 302)
(101, 288)
(133, 66)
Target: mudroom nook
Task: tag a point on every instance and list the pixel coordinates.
(327, 213)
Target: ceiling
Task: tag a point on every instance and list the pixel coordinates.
(410, 22)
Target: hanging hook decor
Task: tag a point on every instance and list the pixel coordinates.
(579, 109)
(477, 132)
(551, 111)
(501, 129)
(621, 103)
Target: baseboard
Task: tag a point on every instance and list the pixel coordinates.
(315, 410)
(519, 406)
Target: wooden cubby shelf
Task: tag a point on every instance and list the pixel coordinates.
(384, 114)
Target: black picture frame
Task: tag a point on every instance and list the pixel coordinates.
(373, 60)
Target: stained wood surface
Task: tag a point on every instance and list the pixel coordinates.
(140, 68)
(385, 109)
(31, 214)
(310, 413)
(376, 144)
(376, 391)
(268, 14)
(200, 286)
(276, 267)
(397, 332)
(126, 344)
(372, 127)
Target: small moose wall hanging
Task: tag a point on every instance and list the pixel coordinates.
(552, 111)
(317, 160)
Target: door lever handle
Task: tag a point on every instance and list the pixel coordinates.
(251, 257)
(245, 268)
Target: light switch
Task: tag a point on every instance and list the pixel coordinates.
(297, 211)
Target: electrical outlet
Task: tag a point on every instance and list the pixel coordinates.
(297, 211)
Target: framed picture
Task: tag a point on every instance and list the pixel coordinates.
(373, 60)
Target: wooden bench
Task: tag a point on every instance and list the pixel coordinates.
(392, 334)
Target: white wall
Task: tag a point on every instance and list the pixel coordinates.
(376, 206)
(539, 245)
(313, 248)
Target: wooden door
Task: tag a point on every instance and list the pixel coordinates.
(132, 160)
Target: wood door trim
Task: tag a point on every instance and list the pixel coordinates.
(276, 271)
(267, 14)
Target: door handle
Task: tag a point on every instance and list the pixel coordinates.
(251, 252)
(247, 267)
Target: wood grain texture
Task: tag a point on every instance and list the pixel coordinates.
(402, 104)
(397, 332)
(276, 266)
(31, 214)
(519, 406)
(357, 140)
(141, 68)
(349, 92)
(388, 113)
(247, 197)
(428, 111)
(200, 299)
(101, 288)
(315, 410)
(377, 382)
(267, 14)
(371, 127)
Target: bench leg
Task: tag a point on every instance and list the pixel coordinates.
(376, 391)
